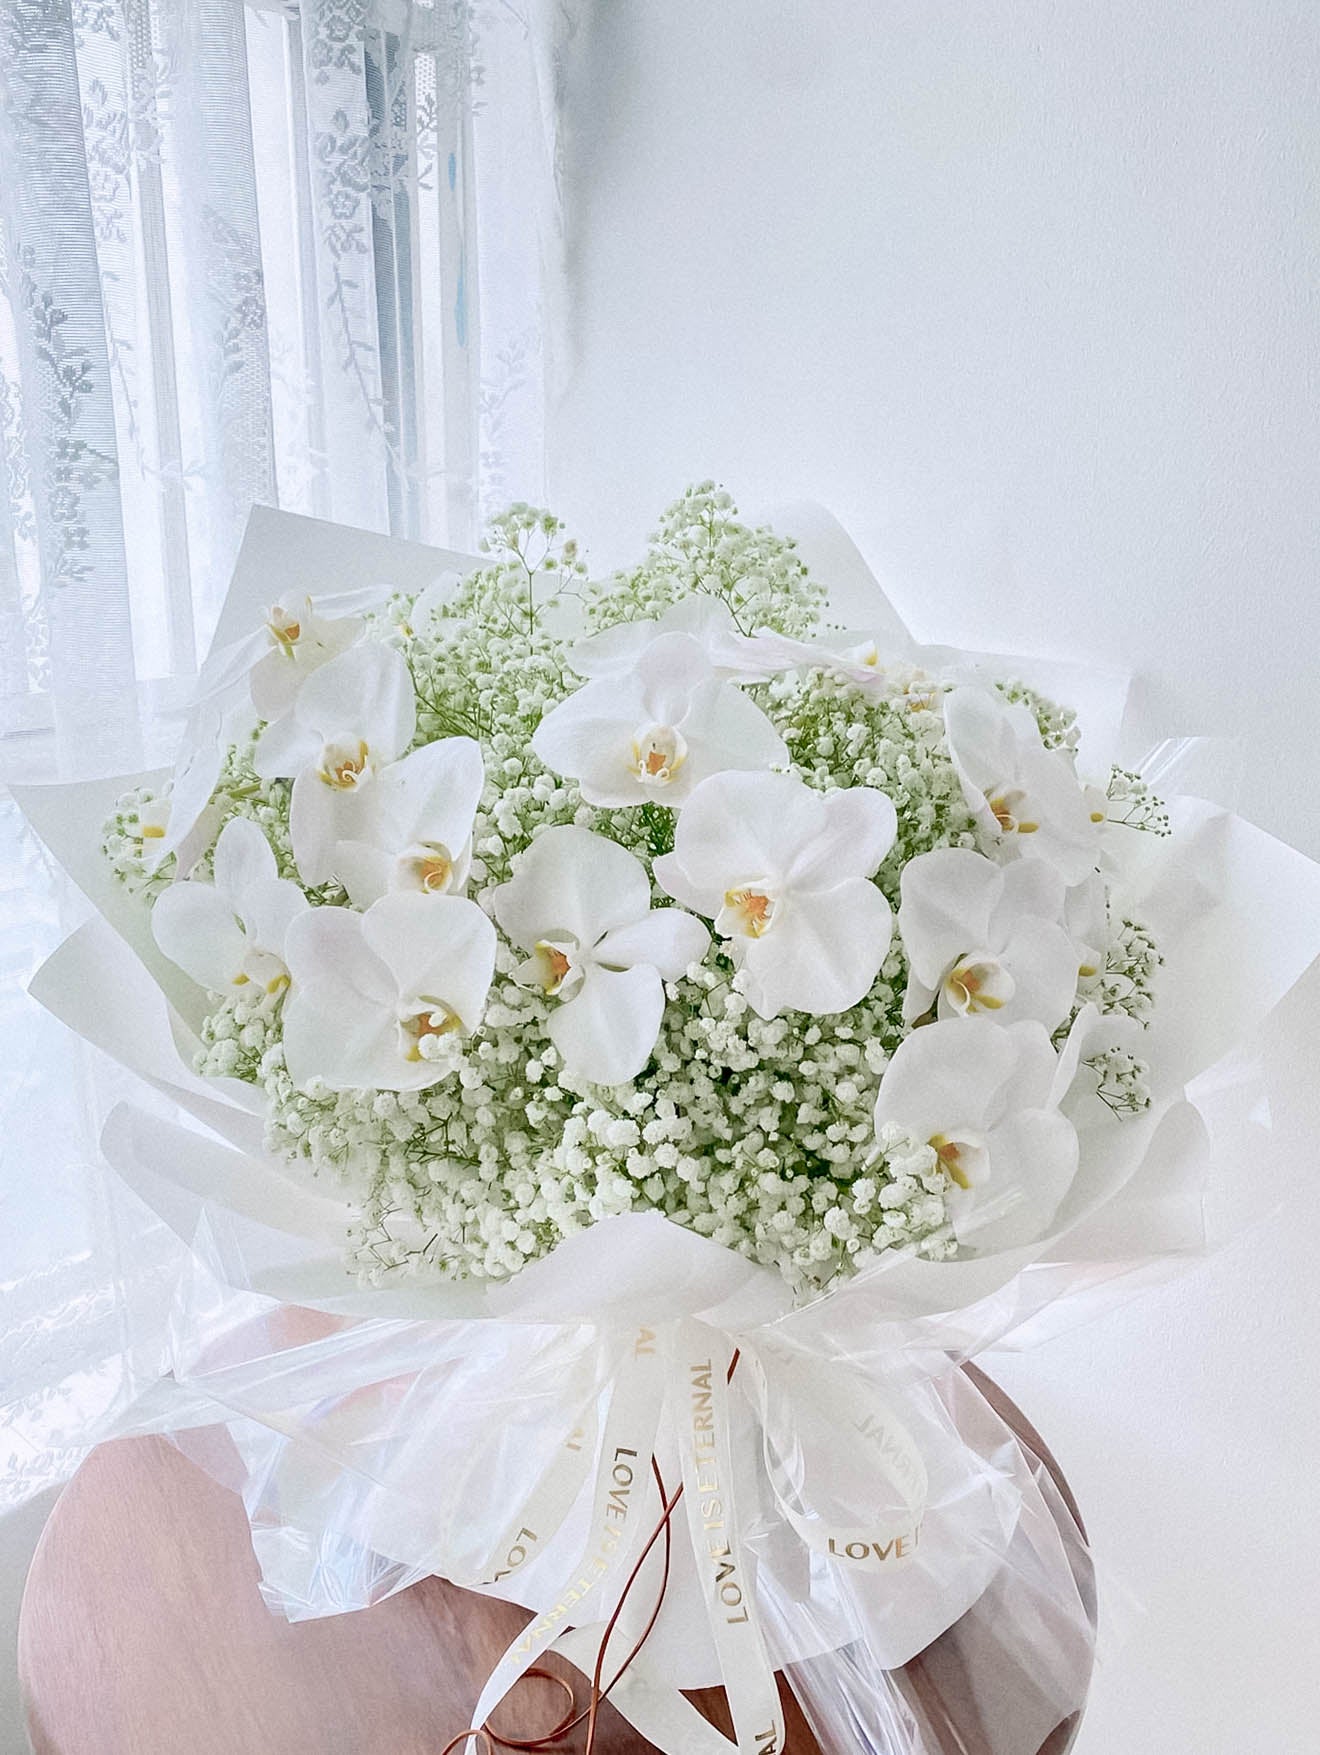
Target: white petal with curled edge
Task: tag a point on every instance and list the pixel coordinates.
(668, 672)
(365, 871)
(197, 928)
(614, 650)
(739, 828)
(278, 675)
(947, 1076)
(668, 939)
(270, 907)
(320, 816)
(822, 952)
(1042, 961)
(286, 748)
(340, 1020)
(1033, 1160)
(983, 736)
(332, 939)
(947, 899)
(589, 738)
(607, 1032)
(436, 948)
(724, 731)
(573, 881)
(431, 795)
(366, 692)
(860, 826)
(242, 857)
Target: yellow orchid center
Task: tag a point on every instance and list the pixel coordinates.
(658, 752)
(1005, 806)
(285, 629)
(752, 909)
(978, 983)
(553, 965)
(345, 764)
(436, 1019)
(431, 870)
(950, 1153)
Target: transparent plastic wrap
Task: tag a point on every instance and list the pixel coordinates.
(857, 1511)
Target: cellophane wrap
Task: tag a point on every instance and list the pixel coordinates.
(857, 1512)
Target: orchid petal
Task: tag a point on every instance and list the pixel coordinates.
(607, 1032)
(668, 671)
(612, 652)
(667, 939)
(1033, 1160)
(270, 907)
(739, 827)
(242, 857)
(860, 827)
(332, 939)
(948, 897)
(366, 692)
(589, 736)
(430, 795)
(820, 956)
(197, 928)
(435, 947)
(285, 748)
(954, 1074)
(364, 870)
(320, 816)
(725, 731)
(571, 881)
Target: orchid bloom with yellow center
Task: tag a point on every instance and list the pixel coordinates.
(581, 906)
(361, 810)
(986, 940)
(231, 932)
(656, 729)
(375, 998)
(987, 1100)
(1028, 799)
(784, 873)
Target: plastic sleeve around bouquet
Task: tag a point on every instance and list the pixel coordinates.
(850, 1496)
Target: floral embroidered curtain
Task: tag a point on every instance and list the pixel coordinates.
(291, 251)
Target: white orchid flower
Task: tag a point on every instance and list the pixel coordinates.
(581, 905)
(986, 940)
(785, 873)
(411, 829)
(231, 932)
(653, 732)
(734, 656)
(986, 1100)
(351, 720)
(377, 999)
(1028, 798)
(299, 641)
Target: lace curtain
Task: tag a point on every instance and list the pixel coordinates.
(299, 252)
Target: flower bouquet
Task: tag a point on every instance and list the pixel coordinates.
(647, 1037)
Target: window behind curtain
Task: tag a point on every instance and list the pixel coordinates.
(293, 252)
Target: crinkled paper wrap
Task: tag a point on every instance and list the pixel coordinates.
(863, 1496)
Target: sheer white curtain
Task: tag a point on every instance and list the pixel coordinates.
(294, 251)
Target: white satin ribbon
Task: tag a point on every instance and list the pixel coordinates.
(618, 1515)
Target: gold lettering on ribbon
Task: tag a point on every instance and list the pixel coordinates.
(617, 1510)
(516, 1554)
(722, 1572)
(644, 1345)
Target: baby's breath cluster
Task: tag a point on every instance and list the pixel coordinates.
(701, 547)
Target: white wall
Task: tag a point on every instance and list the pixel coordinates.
(1026, 292)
